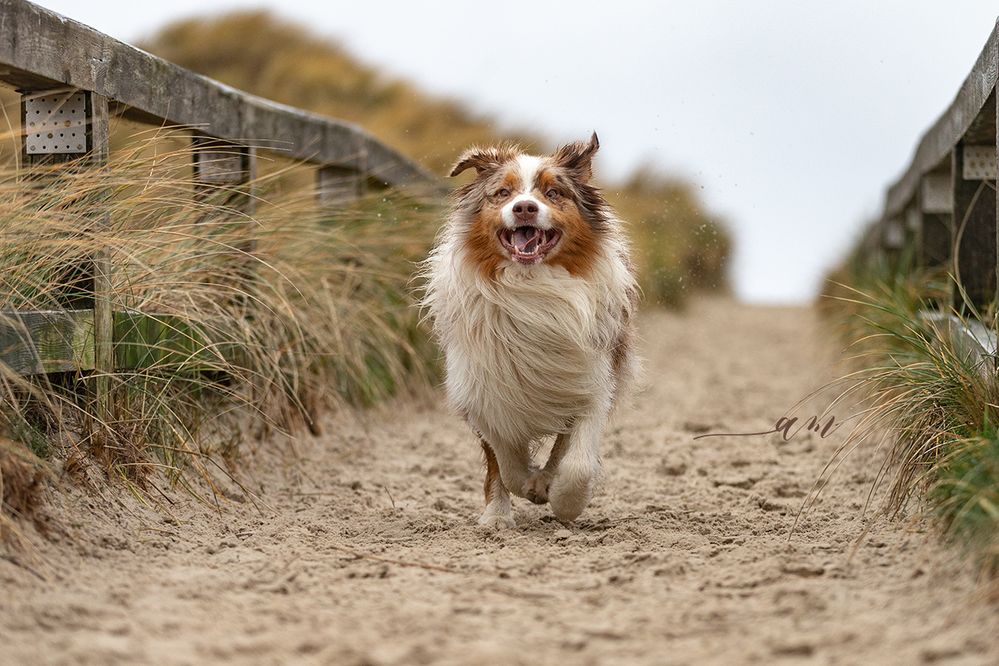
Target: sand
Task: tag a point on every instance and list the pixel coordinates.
(367, 551)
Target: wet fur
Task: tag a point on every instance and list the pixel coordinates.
(534, 350)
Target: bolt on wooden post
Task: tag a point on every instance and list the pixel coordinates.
(69, 127)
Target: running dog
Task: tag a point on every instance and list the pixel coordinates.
(532, 296)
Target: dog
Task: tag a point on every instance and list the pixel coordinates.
(532, 295)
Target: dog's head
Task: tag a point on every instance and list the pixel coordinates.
(528, 210)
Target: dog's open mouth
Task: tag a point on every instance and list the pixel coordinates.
(529, 244)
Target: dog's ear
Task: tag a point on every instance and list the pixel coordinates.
(482, 159)
(577, 157)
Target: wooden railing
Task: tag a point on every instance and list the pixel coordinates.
(72, 80)
(941, 213)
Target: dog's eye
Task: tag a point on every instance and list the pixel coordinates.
(503, 192)
(552, 194)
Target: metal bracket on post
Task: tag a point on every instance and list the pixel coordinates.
(979, 162)
(55, 122)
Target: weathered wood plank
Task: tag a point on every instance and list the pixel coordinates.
(962, 120)
(33, 343)
(42, 342)
(41, 49)
(98, 147)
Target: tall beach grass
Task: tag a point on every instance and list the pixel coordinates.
(930, 399)
(275, 317)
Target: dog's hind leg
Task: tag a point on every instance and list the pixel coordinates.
(573, 483)
(537, 484)
(514, 463)
(498, 513)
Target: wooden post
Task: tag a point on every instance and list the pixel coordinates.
(936, 202)
(337, 185)
(913, 230)
(71, 126)
(225, 171)
(974, 225)
(98, 137)
(893, 243)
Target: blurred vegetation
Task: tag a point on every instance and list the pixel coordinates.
(680, 247)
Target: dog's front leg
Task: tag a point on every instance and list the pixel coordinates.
(498, 512)
(576, 477)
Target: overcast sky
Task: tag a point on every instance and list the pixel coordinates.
(792, 116)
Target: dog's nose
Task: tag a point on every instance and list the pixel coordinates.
(525, 211)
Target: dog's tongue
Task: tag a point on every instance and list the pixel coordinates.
(526, 239)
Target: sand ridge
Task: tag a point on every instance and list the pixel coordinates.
(367, 551)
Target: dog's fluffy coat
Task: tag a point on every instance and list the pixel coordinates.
(532, 296)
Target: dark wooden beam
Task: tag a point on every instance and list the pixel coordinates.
(936, 202)
(974, 235)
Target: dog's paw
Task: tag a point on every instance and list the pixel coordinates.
(536, 487)
(571, 491)
(496, 521)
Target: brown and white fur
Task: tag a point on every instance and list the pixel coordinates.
(533, 297)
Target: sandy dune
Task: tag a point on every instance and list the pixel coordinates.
(368, 552)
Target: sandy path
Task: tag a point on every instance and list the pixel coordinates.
(684, 556)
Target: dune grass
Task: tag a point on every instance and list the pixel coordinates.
(275, 317)
(930, 399)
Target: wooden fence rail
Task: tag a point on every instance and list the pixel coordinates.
(942, 211)
(72, 80)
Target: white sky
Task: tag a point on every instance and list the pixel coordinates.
(792, 116)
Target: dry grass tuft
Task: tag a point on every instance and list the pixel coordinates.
(249, 323)
(21, 476)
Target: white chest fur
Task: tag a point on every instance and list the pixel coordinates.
(529, 350)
